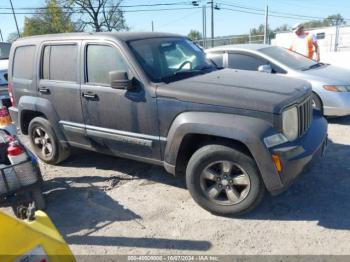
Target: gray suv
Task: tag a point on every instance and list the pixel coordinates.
(155, 98)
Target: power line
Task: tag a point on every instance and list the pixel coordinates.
(125, 11)
(278, 14)
(107, 6)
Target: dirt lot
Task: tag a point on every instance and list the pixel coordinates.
(106, 205)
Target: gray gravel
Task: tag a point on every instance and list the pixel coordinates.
(107, 205)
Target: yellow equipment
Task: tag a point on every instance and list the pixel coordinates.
(32, 241)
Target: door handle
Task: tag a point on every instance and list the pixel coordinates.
(44, 90)
(90, 95)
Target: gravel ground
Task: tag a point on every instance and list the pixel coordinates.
(107, 205)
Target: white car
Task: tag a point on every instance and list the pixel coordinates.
(330, 84)
(4, 56)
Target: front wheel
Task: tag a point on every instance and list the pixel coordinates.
(224, 180)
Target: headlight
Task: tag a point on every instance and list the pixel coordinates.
(340, 88)
(290, 123)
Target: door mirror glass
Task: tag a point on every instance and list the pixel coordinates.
(120, 80)
(265, 69)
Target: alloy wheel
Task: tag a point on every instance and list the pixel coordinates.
(43, 142)
(225, 183)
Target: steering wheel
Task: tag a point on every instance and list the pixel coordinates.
(183, 64)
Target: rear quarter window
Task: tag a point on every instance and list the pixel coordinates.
(23, 62)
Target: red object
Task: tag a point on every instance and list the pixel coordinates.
(4, 112)
(14, 149)
(10, 89)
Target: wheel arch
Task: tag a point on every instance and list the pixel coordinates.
(30, 107)
(191, 130)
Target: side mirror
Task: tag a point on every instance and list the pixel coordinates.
(265, 69)
(120, 80)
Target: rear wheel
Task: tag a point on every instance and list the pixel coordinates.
(224, 180)
(45, 143)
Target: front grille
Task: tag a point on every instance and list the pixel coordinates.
(305, 110)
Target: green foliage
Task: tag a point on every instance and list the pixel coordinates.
(194, 35)
(331, 20)
(51, 19)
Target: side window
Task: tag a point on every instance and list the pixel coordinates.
(59, 63)
(102, 59)
(277, 70)
(244, 62)
(23, 63)
(218, 58)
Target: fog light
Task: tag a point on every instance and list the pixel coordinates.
(276, 159)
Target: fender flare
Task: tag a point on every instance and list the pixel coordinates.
(248, 130)
(42, 106)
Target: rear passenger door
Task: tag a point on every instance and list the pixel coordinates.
(59, 83)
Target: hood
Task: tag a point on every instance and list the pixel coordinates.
(330, 75)
(4, 64)
(239, 89)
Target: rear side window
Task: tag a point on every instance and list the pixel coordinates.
(59, 62)
(23, 62)
(245, 62)
(102, 59)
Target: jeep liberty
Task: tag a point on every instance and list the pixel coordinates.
(155, 97)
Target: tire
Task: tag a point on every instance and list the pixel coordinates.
(45, 143)
(242, 188)
(316, 102)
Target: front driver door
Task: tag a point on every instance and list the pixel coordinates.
(119, 121)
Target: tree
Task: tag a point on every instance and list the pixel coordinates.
(331, 20)
(194, 35)
(98, 15)
(50, 19)
(335, 20)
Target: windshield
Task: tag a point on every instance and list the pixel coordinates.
(288, 58)
(4, 50)
(170, 58)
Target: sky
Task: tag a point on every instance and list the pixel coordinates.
(239, 20)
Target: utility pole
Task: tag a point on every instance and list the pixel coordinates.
(336, 41)
(204, 33)
(212, 22)
(266, 33)
(2, 39)
(14, 16)
(152, 26)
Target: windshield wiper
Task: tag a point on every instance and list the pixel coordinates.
(313, 66)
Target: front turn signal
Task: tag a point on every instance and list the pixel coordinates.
(277, 161)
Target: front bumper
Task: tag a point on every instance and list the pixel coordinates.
(299, 155)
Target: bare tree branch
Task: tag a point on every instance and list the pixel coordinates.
(100, 15)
